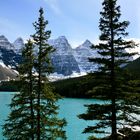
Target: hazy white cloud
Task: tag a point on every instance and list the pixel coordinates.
(137, 48)
(54, 5)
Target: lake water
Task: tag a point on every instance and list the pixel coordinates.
(69, 109)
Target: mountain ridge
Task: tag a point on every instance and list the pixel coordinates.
(66, 60)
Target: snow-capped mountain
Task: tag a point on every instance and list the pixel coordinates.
(82, 54)
(7, 73)
(4, 43)
(18, 45)
(66, 61)
(63, 59)
(61, 45)
(7, 53)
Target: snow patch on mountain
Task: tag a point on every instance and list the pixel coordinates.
(2, 64)
(67, 62)
(4, 43)
(82, 54)
(62, 58)
(7, 53)
(55, 76)
(6, 73)
(136, 49)
(18, 45)
(61, 45)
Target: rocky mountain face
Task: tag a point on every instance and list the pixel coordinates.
(18, 45)
(82, 54)
(8, 54)
(7, 73)
(65, 60)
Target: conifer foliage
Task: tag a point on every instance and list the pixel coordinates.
(112, 86)
(48, 125)
(21, 121)
(34, 109)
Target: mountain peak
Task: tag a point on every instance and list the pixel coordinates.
(19, 39)
(18, 44)
(87, 43)
(3, 38)
(62, 38)
(5, 44)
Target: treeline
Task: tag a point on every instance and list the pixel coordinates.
(73, 87)
(78, 87)
(134, 68)
(10, 86)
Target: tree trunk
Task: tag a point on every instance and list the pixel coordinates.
(31, 104)
(38, 98)
(112, 78)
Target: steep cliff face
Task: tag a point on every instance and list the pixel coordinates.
(66, 61)
(18, 45)
(63, 59)
(82, 54)
(7, 53)
(4, 43)
(7, 73)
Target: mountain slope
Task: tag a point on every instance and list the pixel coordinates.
(6, 73)
(62, 59)
(82, 54)
(134, 67)
(18, 45)
(7, 53)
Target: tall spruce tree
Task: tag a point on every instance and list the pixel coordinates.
(112, 84)
(49, 127)
(20, 123)
(34, 109)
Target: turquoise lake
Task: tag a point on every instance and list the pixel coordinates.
(69, 109)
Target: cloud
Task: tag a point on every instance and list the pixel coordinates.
(137, 48)
(54, 5)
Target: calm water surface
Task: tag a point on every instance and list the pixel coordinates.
(69, 109)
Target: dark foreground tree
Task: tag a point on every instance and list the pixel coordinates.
(20, 123)
(49, 127)
(112, 82)
(34, 109)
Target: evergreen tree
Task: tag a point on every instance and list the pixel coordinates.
(34, 109)
(112, 84)
(20, 122)
(49, 127)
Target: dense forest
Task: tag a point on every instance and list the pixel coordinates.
(63, 87)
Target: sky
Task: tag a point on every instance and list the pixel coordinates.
(78, 20)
